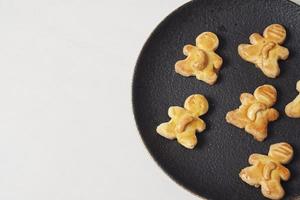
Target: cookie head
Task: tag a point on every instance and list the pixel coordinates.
(281, 152)
(208, 41)
(266, 94)
(196, 104)
(275, 33)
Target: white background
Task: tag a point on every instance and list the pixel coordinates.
(66, 125)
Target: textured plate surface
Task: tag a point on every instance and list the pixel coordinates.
(211, 169)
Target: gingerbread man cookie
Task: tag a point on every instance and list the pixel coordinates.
(293, 109)
(265, 51)
(268, 171)
(201, 61)
(185, 121)
(255, 112)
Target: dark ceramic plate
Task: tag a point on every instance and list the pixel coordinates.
(211, 170)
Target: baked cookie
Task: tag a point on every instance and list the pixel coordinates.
(268, 171)
(293, 109)
(255, 112)
(201, 61)
(265, 51)
(185, 121)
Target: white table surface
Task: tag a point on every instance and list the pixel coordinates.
(66, 122)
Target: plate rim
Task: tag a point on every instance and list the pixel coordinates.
(133, 81)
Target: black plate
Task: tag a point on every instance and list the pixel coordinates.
(211, 170)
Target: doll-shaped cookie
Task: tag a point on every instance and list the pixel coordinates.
(265, 51)
(268, 171)
(201, 61)
(185, 121)
(293, 109)
(255, 112)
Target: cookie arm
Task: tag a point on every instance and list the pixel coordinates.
(247, 98)
(217, 61)
(183, 122)
(188, 48)
(284, 173)
(200, 125)
(175, 111)
(255, 38)
(255, 158)
(283, 53)
(182, 66)
(268, 168)
(273, 114)
(254, 109)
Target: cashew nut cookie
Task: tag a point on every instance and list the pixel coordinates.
(201, 61)
(293, 109)
(268, 171)
(265, 51)
(185, 121)
(255, 112)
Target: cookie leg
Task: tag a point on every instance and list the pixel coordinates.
(167, 130)
(187, 138)
(250, 176)
(272, 189)
(270, 68)
(182, 67)
(258, 130)
(248, 52)
(209, 77)
(237, 118)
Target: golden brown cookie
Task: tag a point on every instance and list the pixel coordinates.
(293, 109)
(265, 51)
(268, 171)
(201, 61)
(256, 112)
(185, 121)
